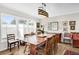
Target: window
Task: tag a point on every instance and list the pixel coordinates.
(50, 26)
(53, 26)
(8, 20)
(21, 21)
(8, 25)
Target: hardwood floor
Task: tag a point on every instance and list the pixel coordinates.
(61, 49)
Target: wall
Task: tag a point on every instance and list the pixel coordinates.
(3, 46)
(60, 19)
(0, 27)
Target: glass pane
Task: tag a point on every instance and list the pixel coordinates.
(8, 25)
(21, 28)
(21, 21)
(8, 20)
(50, 26)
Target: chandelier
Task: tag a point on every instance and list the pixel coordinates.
(42, 10)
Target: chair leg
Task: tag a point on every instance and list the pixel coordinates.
(14, 44)
(25, 48)
(10, 47)
(55, 48)
(18, 44)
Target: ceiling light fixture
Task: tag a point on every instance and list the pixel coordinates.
(42, 10)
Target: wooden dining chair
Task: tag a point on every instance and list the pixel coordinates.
(27, 45)
(40, 49)
(51, 45)
(46, 47)
(55, 43)
(11, 40)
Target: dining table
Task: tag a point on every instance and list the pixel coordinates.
(36, 40)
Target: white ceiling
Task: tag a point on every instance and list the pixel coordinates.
(54, 9)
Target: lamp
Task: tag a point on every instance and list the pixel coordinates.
(42, 10)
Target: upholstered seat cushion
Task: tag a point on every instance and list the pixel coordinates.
(12, 41)
(75, 36)
(67, 38)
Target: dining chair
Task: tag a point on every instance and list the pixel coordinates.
(27, 45)
(46, 48)
(40, 49)
(11, 40)
(51, 45)
(55, 43)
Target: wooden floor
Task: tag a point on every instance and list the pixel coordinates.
(61, 49)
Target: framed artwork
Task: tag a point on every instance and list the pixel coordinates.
(72, 27)
(38, 25)
(65, 23)
(71, 23)
(54, 26)
(65, 29)
(65, 26)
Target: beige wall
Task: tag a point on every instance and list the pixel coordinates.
(70, 17)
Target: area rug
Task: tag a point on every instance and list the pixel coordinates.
(68, 52)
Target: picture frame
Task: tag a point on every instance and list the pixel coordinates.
(65, 26)
(65, 23)
(72, 23)
(72, 27)
(38, 25)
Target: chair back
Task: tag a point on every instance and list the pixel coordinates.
(49, 45)
(10, 36)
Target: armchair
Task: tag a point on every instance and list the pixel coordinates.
(75, 39)
(67, 38)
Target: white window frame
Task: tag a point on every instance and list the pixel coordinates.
(4, 14)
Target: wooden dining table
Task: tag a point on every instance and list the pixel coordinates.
(36, 40)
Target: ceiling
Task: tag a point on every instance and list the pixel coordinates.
(54, 9)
